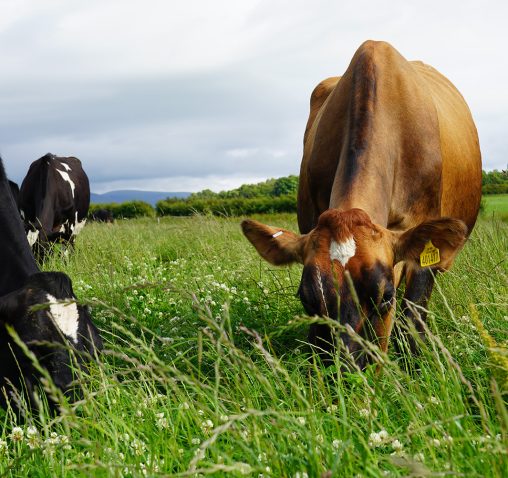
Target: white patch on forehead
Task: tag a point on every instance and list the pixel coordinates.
(66, 316)
(343, 251)
(68, 179)
(32, 237)
(66, 166)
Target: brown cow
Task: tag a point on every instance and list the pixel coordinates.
(390, 188)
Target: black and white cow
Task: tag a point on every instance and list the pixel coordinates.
(15, 191)
(54, 199)
(41, 308)
(103, 215)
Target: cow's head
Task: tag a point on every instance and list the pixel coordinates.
(59, 332)
(348, 271)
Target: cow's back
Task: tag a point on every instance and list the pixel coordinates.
(392, 137)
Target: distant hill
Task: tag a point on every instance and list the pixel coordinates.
(151, 197)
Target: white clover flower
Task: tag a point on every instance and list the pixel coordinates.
(332, 408)
(180, 451)
(138, 447)
(162, 421)
(3, 446)
(377, 439)
(434, 400)
(397, 446)
(31, 431)
(262, 457)
(201, 412)
(17, 434)
(336, 444)
(364, 413)
(320, 438)
(223, 418)
(139, 413)
(435, 442)
(301, 420)
(207, 425)
(447, 438)
(301, 474)
(195, 441)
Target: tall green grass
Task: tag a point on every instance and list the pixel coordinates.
(206, 370)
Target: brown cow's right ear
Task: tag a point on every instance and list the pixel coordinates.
(275, 245)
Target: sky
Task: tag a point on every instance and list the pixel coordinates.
(183, 96)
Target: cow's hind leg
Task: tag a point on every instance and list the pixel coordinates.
(419, 284)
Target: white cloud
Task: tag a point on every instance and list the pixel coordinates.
(214, 89)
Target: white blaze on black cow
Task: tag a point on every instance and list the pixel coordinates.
(41, 308)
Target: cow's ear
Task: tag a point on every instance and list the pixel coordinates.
(432, 243)
(275, 245)
(13, 306)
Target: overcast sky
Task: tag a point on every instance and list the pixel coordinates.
(186, 95)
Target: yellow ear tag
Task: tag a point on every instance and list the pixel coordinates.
(430, 255)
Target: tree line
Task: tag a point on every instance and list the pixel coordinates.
(270, 196)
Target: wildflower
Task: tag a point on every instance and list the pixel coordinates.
(447, 438)
(436, 442)
(364, 412)
(301, 474)
(138, 447)
(223, 418)
(434, 400)
(262, 457)
(195, 441)
(320, 438)
(377, 439)
(419, 457)
(207, 425)
(3, 446)
(201, 412)
(17, 434)
(332, 408)
(397, 446)
(336, 444)
(162, 421)
(301, 420)
(419, 406)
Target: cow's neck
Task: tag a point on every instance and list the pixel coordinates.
(16, 258)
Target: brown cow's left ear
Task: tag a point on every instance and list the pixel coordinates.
(432, 243)
(275, 245)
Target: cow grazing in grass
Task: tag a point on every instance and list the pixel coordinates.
(390, 188)
(54, 200)
(102, 215)
(40, 307)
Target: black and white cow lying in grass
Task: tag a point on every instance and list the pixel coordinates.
(38, 312)
(53, 200)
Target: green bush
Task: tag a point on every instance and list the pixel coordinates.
(238, 206)
(125, 210)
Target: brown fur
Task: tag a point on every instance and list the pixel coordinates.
(390, 149)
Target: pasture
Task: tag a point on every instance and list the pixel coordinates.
(206, 370)
(496, 204)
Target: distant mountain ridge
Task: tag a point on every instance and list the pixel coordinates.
(123, 195)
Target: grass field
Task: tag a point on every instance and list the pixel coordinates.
(496, 204)
(206, 370)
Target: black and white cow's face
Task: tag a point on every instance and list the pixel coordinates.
(56, 330)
